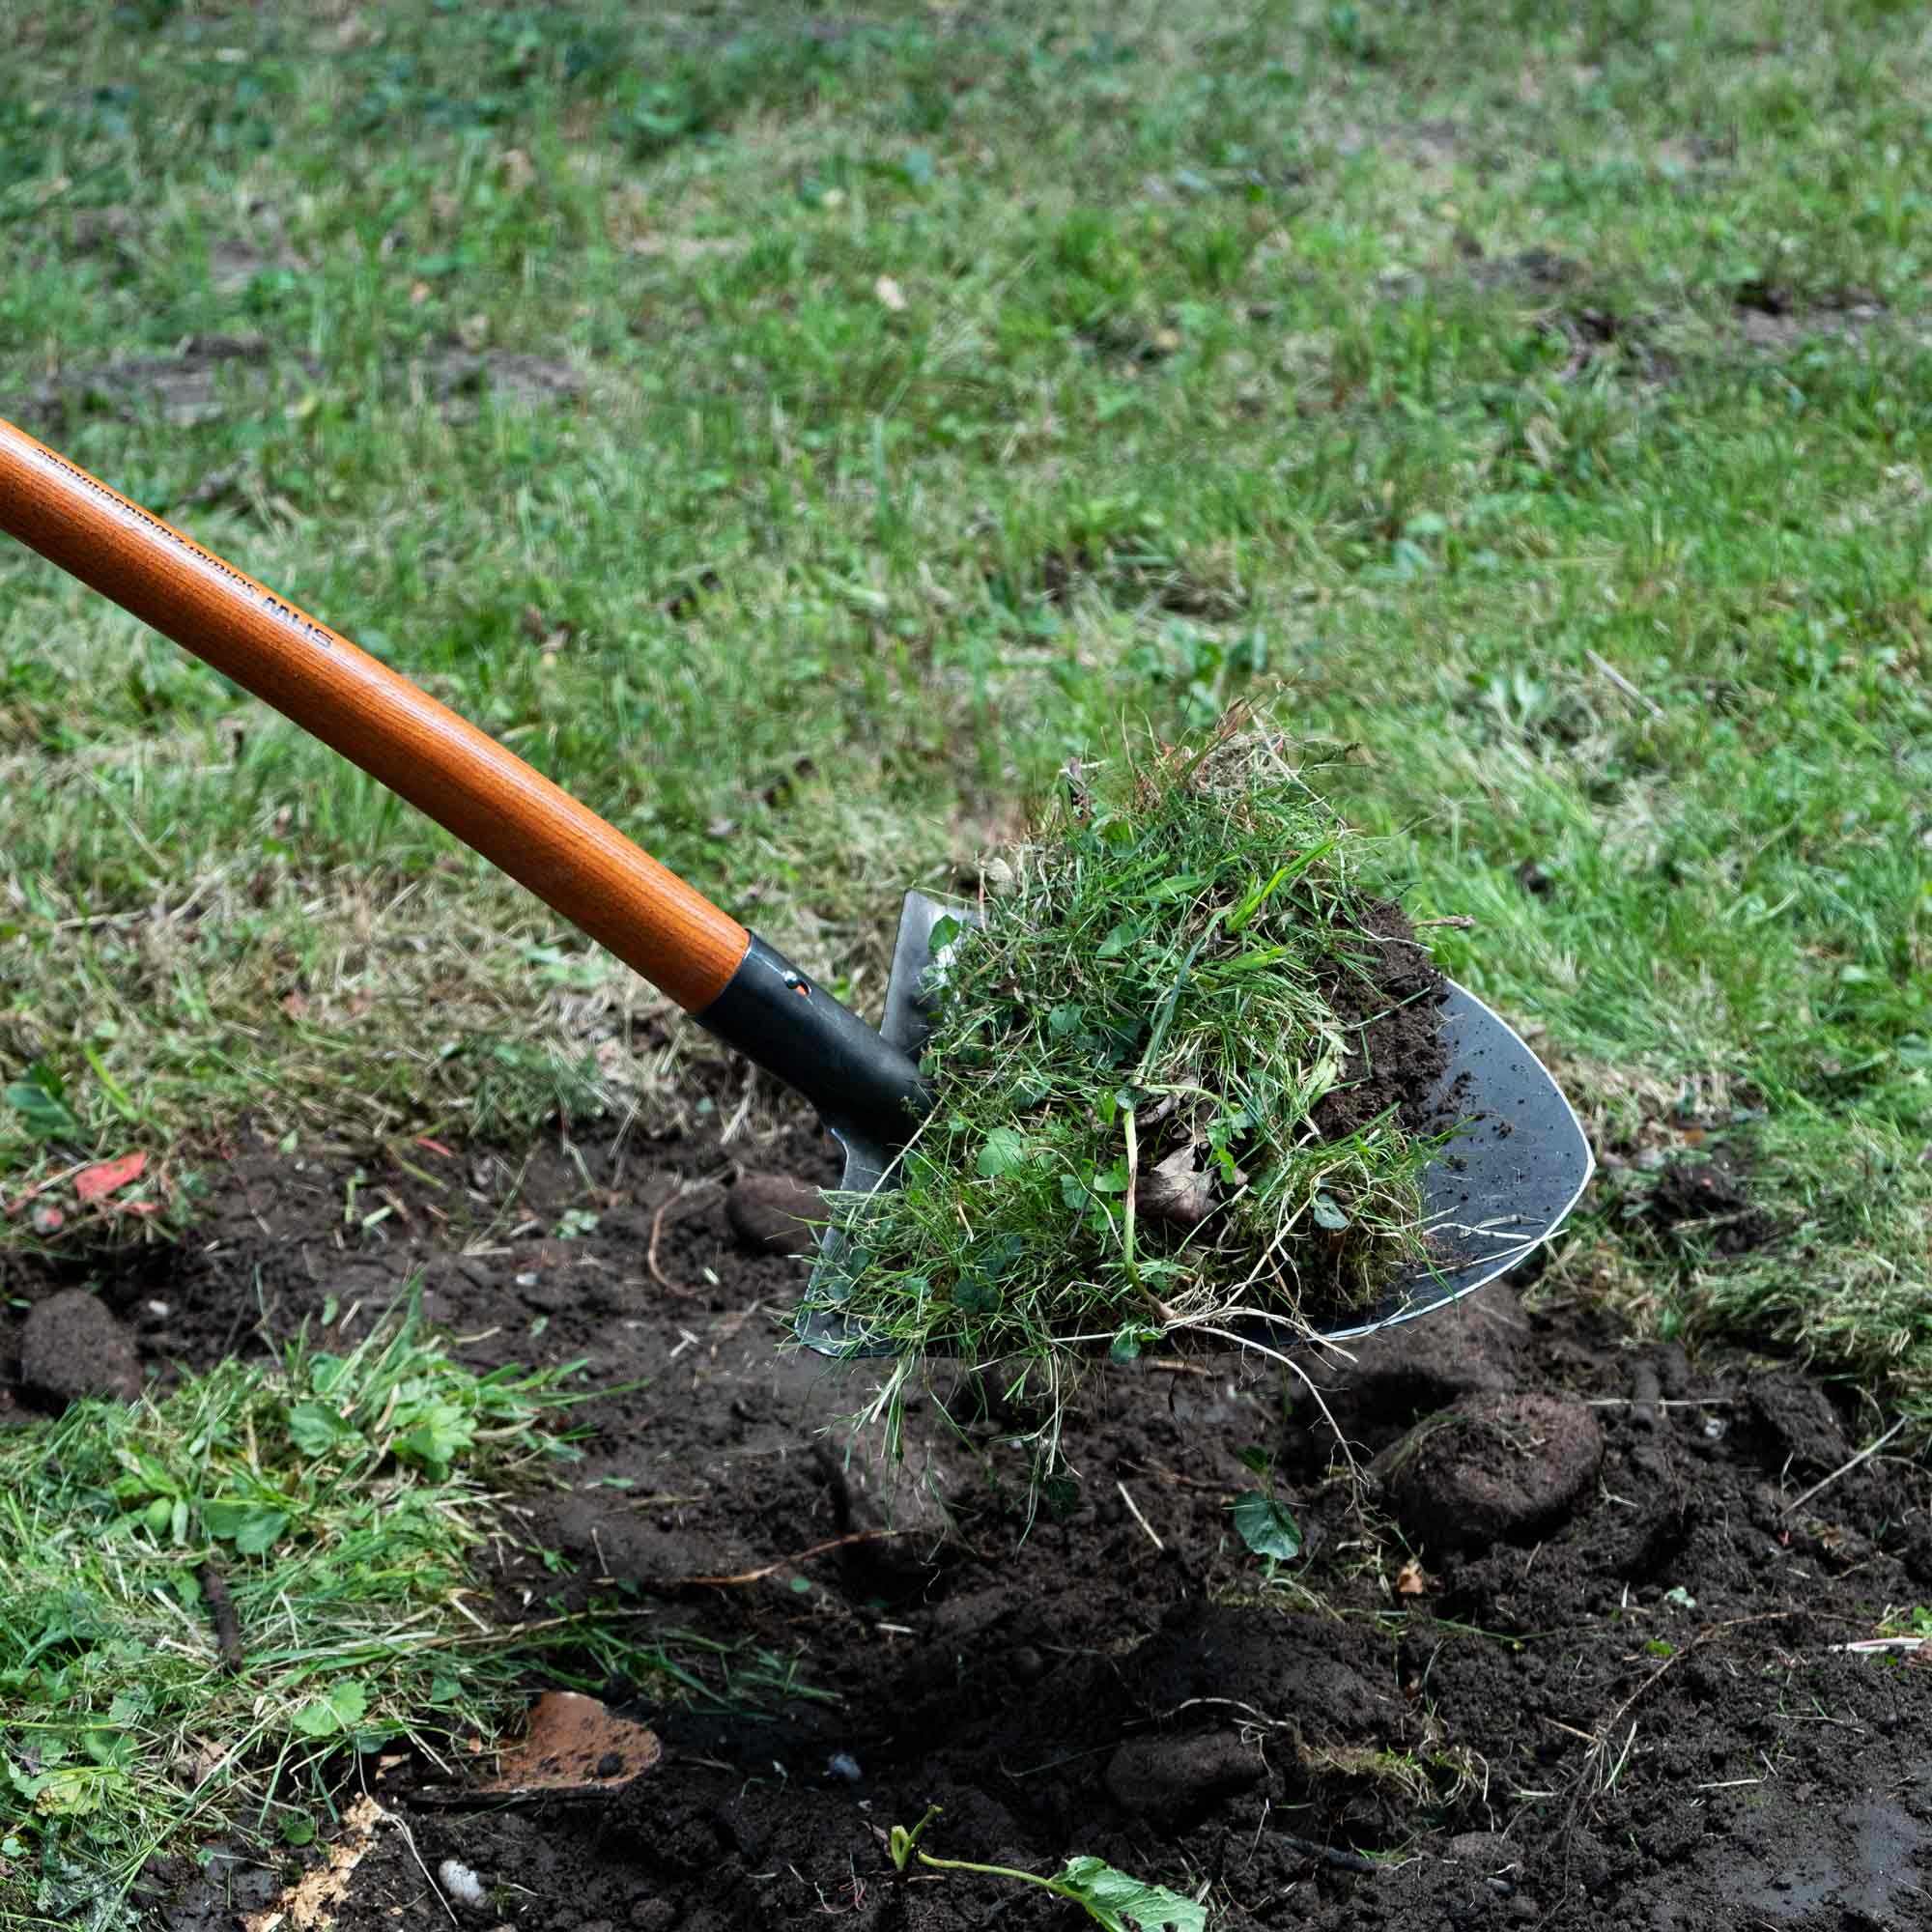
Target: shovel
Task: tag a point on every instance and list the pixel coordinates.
(1491, 1201)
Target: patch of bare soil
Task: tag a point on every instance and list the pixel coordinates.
(1598, 1679)
(1655, 347)
(1772, 316)
(211, 376)
(1707, 1202)
(208, 376)
(458, 378)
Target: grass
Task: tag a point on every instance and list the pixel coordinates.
(1531, 404)
(340, 1505)
(1197, 386)
(1134, 1044)
(1533, 399)
(1854, 1199)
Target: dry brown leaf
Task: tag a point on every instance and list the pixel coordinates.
(1174, 1191)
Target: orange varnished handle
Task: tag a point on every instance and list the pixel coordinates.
(467, 783)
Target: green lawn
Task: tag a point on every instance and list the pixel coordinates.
(798, 430)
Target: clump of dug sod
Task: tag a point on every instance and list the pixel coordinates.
(1183, 1065)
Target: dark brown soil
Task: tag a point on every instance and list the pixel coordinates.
(1387, 991)
(1637, 1715)
(1704, 1200)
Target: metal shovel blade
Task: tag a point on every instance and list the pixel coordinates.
(1493, 1196)
(1504, 1185)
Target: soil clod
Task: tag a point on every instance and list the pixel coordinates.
(71, 1346)
(1212, 1650)
(1492, 1469)
(772, 1214)
(1800, 1422)
(1174, 1779)
(1386, 999)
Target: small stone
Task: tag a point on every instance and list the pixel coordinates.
(1174, 1779)
(653, 1915)
(774, 1214)
(843, 1766)
(71, 1346)
(1027, 1664)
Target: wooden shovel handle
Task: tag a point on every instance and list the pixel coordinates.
(401, 736)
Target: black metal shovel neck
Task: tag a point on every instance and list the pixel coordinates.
(864, 1087)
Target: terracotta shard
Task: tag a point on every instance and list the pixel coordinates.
(572, 1743)
(95, 1183)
